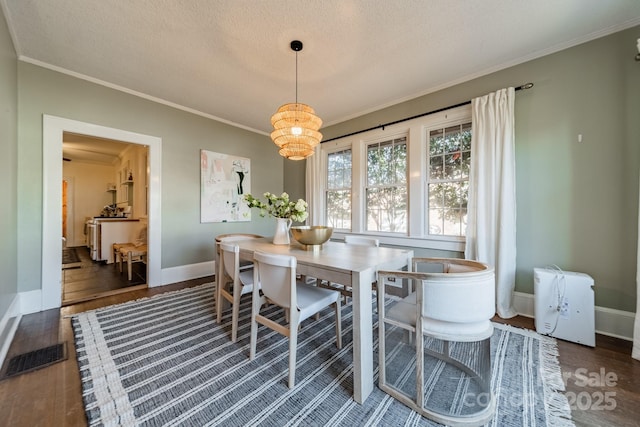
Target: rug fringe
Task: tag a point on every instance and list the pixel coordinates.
(557, 409)
(555, 402)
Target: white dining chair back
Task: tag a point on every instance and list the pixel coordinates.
(277, 276)
(234, 283)
(346, 291)
(244, 264)
(361, 241)
(234, 237)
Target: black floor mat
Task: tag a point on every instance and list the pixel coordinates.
(37, 359)
(69, 255)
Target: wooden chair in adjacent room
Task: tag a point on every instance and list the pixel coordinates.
(131, 254)
(133, 251)
(277, 277)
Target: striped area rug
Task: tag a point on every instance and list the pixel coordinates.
(164, 361)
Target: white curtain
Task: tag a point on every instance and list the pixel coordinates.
(636, 327)
(491, 216)
(313, 189)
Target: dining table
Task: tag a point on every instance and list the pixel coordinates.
(350, 265)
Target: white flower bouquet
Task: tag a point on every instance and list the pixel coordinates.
(279, 206)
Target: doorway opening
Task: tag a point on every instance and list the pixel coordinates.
(54, 129)
(104, 191)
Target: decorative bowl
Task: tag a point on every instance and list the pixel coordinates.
(313, 235)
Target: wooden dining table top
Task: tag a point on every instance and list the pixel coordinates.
(334, 255)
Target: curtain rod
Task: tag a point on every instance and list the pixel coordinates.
(522, 87)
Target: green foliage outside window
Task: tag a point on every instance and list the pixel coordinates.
(386, 192)
(448, 179)
(338, 193)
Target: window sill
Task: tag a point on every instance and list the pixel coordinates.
(443, 244)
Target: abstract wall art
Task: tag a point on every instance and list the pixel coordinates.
(225, 179)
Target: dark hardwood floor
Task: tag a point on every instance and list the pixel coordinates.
(603, 383)
(87, 279)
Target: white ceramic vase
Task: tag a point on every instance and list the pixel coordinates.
(281, 236)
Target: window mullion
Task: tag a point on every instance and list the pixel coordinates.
(359, 164)
(416, 169)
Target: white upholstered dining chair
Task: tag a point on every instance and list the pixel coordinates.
(277, 277)
(445, 373)
(233, 283)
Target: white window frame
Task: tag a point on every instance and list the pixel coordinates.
(325, 166)
(429, 181)
(416, 131)
(364, 186)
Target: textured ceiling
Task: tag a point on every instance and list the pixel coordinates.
(231, 60)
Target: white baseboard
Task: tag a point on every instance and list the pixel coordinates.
(8, 326)
(11, 311)
(187, 272)
(30, 302)
(524, 304)
(611, 322)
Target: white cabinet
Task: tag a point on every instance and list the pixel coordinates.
(110, 231)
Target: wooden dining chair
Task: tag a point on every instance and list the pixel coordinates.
(138, 238)
(131, 254)
(277, 277)
(233, 283)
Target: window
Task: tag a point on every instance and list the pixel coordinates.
(406, 184)
(338, 193)
(386, 188)
(447, 186)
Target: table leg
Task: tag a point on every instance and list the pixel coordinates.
(362, 335)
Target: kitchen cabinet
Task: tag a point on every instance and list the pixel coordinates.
(109, 231)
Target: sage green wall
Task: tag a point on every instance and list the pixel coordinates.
(184, 239)
(8, 175)
(577, 203)
(293, 184)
